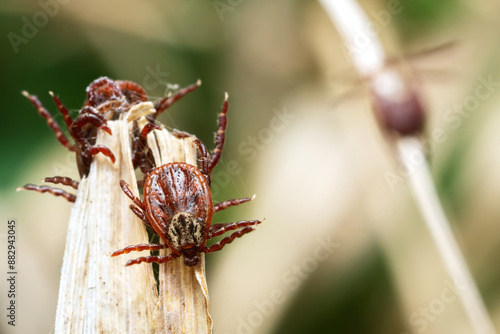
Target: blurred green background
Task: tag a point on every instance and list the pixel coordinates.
(321, 173)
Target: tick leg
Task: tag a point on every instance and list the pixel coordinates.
(50, 121)
(203, 157)
(93, 150)
(54, 191)
(149, 259)
(147, 129)
(139, 157)
(63, 110)
(62, 180)
(218, 246)
(166, 102)
(230, 202)
(145, 161)
(139, 248)
(220, 136)
(139, 213)
(218, 229)
(126, 189)
(88, 115)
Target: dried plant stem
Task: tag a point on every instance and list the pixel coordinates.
(183, 291)
(424, 191)
(369, 58)
(97, 293)
(352, 23)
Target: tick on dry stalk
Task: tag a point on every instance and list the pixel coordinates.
(106, 100)
(395, 101)
(399, 108)
(178, 206)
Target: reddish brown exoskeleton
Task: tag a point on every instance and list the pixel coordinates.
(396, 101)
(395, 94)
(106, 100)
(178, 206)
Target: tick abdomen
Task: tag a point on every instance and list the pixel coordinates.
(178, 190)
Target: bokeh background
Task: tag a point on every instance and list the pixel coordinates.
(342, 250)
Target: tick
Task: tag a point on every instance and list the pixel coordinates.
(178, 206)
(106, 100)
(396, 102)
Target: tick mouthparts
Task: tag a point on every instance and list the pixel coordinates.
(191, 261)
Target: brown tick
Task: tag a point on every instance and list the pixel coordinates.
(106, 100)
(396, 102)
(178, 206)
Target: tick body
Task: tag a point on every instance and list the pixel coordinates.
(106, 100)
(396, 102)
(178, 206)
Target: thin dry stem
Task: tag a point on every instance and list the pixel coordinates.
(424, 191)
(367, 55)
(183, 291)
(98, 293)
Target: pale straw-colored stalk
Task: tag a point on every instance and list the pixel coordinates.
(97, 293)
(424, 191)
(183, 291)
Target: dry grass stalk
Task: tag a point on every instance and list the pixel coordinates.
(97, 293)
(183, 291)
